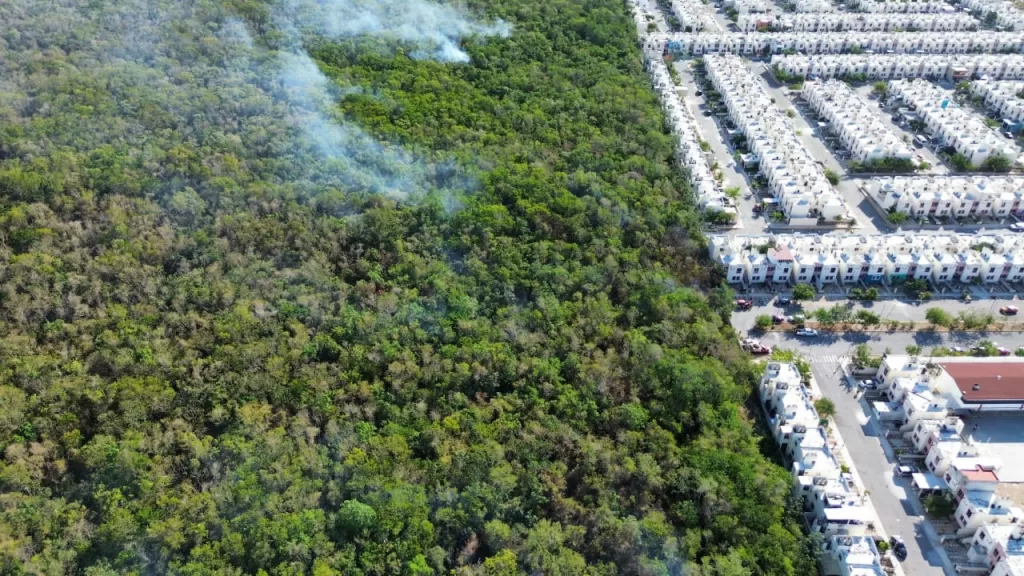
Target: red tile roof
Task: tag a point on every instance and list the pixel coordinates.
(995, 381)
(782, 253)
(979, 475)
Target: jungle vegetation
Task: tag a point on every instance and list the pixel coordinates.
(223, 352)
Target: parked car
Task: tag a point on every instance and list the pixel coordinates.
(759, 349)
(869, 384)
(1003, 351)
(698, 93)
(1008, 310)
(796, 318)
(899, 548)
(906, 470)
(744, 304)
(778, 319)
(1017, 227)
(807, 332)
(1008, 135)
(780, 301)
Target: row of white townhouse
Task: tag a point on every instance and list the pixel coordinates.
(749, 6)
(794, 178)
(923, 398)
(695, 16)
(955, 126)
(1001, 97)
(831, 504)
(854, 124)
(926, 6)
(950, 196)
(955, 67)
(942, 259)
(1008, 16)
(757, 44)
(813, 6)
(840, 21)
(684, 127)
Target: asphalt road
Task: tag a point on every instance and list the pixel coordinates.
(893, 498)
(829, 347)
(744, 320)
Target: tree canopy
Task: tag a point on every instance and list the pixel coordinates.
(223, 351)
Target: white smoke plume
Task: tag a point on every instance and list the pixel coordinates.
(434, 29)
(361, 160)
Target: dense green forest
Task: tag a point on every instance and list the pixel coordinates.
(480, 339)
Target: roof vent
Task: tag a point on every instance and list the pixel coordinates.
(976, 387)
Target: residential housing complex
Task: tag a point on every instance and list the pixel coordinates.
(832, 506)
(858, 128)
(847, 21)
(794, 178)
(813, 6)
(1007, 15)
(950, 196)
(1001, 97)
(758, 44)
(988, 520)
(954, 67)
(749, 6)
(694, 16)
(941, 259)
(926, 6)
(691, 158)
(954, 126)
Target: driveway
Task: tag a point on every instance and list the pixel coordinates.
(893, 498)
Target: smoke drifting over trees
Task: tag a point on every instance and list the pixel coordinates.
(226, 349)
(434, 30)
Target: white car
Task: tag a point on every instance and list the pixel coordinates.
(806, 332)
(1017, 227)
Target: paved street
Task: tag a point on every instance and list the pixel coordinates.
(714, 134)
(744, 320)
(885, 116)
(893, 498)
(813, 140)
(651, 8)
(829, 347)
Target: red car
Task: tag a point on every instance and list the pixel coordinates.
(1008, 310)
(744, 304)
(758, 349)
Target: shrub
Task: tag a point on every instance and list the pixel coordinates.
(825, 407)
(803, 292)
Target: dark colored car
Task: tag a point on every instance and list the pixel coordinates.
(783, 301)
(899, 548)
